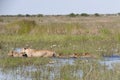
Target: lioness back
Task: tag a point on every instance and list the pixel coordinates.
(49, 53)
(43, 53)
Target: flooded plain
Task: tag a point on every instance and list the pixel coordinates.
(55, 69)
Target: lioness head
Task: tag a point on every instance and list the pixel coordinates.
(10, 53)
(24, 50)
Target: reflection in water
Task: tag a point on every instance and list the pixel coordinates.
(54, 68)
(18, 50)
(110, 61)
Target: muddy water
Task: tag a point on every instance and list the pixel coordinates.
(51, 69)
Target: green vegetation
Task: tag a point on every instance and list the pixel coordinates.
(62, 34)
(84, 14)
(1, 20)
(40, 15)
(66, 35)
(81, 70)
(73, 15)
(11, 62)
(97, 14)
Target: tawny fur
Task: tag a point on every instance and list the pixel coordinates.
(15, 54)
(38, 53)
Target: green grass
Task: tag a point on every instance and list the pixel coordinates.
(66, 44)
(10, 62)
(62, 34)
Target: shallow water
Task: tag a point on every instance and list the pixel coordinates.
(110, 61)
(18, 50)
(51, 70)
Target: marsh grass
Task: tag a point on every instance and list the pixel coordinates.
(1, 20)
(10, 62)
(96, 35)
(66, 44)
(80, 70)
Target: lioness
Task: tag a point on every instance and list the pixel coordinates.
(15, 54)
(75, 55)
(38, 53)
(88, 55)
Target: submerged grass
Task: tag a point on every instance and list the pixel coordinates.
(81, 70)
(11, 62)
